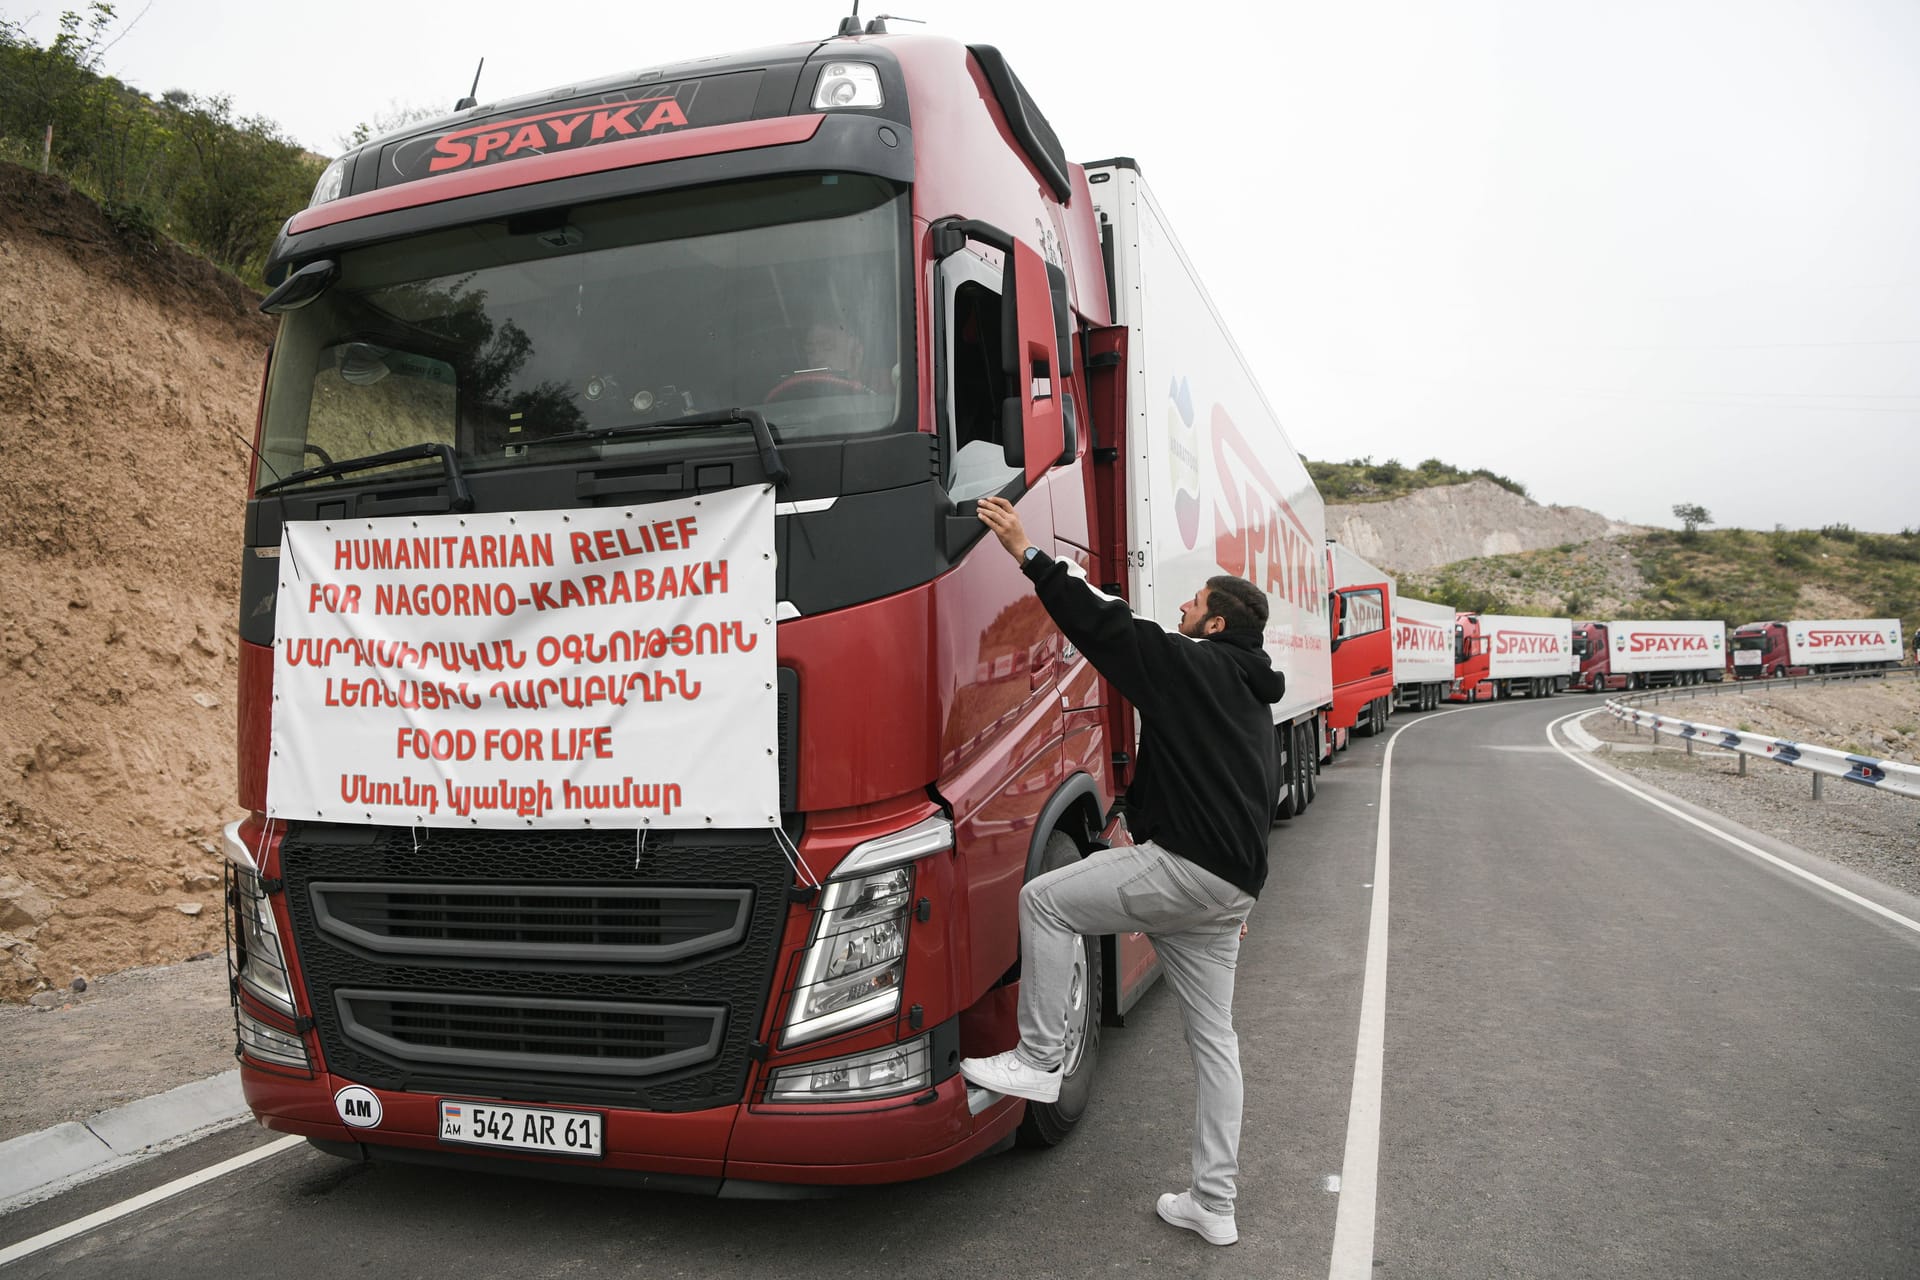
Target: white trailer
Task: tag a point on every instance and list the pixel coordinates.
(1422, 652)
(1532, 656)
(1660, 653)
(1856, 642)
(1213, 484)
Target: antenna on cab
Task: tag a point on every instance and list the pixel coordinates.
(470, 100)
(878, 26)
(851, 26)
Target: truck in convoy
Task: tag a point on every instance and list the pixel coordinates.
(1422, 653)
(1644, 655)
(1362, 607)
(1822, 646)
(642, 746)
(1498, 655)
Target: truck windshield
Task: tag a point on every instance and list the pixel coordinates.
(1758, 643)
(789, 295)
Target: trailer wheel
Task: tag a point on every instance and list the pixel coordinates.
(1302, 771)
(1047, 1124)
(1283, 749)
(1310, 759)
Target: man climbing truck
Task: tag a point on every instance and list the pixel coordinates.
(642, 747)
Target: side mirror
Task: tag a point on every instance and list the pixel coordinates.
(302, 287)
(1031, 426)
(1335, 607)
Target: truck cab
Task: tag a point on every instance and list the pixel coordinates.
(1361, 605)
(1590, 647)
(857, 276)
(845, 288)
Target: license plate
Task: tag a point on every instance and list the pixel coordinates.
(536, 1129)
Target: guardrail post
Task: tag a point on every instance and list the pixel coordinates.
(1817, 780)
(1689, 742)
(1743, 764)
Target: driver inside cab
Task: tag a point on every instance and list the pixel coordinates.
(834, 357)
(831, 346)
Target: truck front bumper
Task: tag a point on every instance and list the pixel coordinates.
(747, 1150)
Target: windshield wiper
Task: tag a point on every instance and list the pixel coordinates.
(762, 435)
(461, 497)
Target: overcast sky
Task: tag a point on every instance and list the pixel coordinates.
(1630, 253)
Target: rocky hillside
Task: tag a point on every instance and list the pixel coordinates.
(1437, 526)
(128, 370)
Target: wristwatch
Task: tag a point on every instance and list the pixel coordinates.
(1026, 557)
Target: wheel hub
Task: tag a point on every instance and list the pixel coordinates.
(1077, 1009)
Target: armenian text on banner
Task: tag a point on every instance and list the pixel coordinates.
(608, 668)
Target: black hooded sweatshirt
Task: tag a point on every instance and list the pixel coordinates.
(1206, 782)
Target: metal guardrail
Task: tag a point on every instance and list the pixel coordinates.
(1883, 775)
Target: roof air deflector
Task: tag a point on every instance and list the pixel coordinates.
(1030, 128)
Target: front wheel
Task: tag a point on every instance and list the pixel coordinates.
(1047, 1124)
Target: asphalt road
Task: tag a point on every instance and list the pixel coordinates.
(1614, 1046)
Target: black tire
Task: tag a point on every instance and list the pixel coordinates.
(1283, 746)
(1302, 770)
(1047, 1124)
(1310, 757)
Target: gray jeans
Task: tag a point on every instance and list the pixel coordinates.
(1194, 919)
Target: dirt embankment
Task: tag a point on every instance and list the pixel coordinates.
(128, 379)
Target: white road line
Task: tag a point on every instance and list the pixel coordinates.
(1607, 776)
(79, 1226)
(1360, 1167)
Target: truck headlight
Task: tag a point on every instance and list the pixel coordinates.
(855, 963)
(854, 966)
(881, 1073)
(331, 184)
(253, 943)
(270, 1044)
(848, 84)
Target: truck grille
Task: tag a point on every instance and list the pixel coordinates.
(566, 966)
(532, 922)
(595, 1037)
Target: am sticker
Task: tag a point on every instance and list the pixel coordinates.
(358, 1106)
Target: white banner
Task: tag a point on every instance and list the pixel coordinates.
(610, 667)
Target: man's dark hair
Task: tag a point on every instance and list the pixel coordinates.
(1236, 602)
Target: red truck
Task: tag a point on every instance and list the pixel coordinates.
(1763, 650)
(1641, 655)
(1362, 607)
(1509, 656)
(745, 336)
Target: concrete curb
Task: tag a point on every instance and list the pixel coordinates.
(65, 1153)
(1580, 737)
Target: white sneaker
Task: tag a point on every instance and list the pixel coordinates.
(1181, 1211)
(1006, 1073)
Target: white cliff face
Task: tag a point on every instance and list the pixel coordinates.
(1459, 522)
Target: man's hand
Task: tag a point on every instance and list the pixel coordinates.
(998, 515)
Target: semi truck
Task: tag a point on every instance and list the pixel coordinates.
(1363, 640)
(1503, 656)
(1820, 646)
(1422, 653)
(1641, 655)
(641, 747)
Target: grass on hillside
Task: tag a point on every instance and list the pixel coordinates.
(1736, 575)
(1364, 480)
